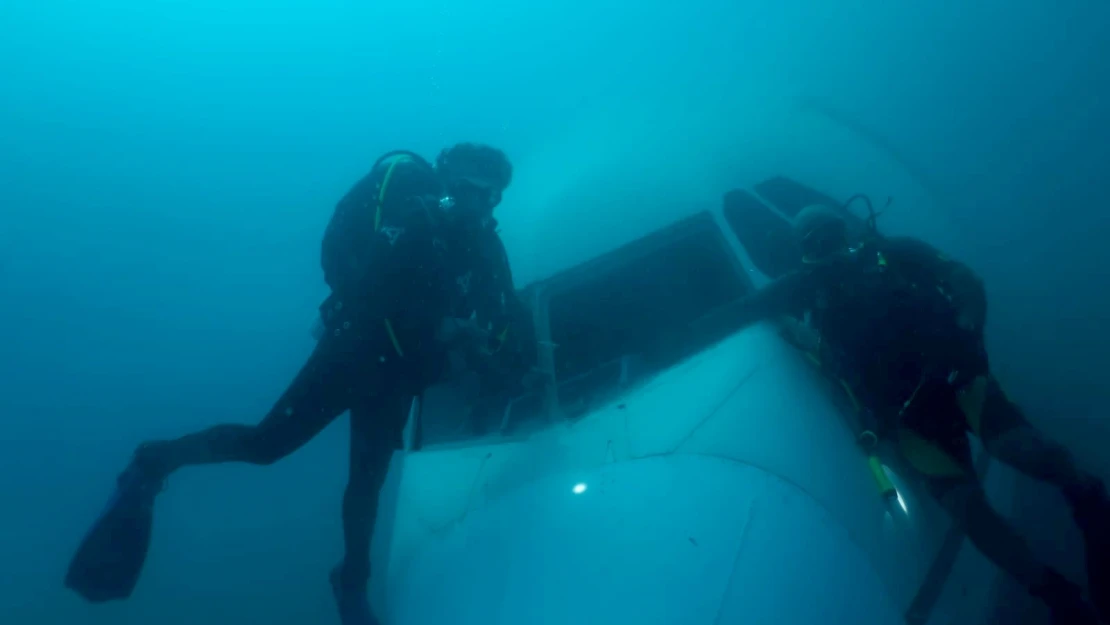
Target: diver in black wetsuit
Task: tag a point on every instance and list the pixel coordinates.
(902, 326)
(417, 270)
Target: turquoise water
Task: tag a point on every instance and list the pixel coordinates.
(167, 168)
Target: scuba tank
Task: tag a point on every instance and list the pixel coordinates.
(356, 219)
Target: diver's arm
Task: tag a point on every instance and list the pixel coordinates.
(511, 345)
(789, 294)
(512, 321)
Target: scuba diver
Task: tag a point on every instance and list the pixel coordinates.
(418, 275)
(902, 326)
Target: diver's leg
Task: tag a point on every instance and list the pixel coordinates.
(933, 439)
(108, 563)
(1009, 437)
(320, 392)
(966, 502)
(935, 444)
(376, 432)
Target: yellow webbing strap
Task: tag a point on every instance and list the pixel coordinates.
(394, 162)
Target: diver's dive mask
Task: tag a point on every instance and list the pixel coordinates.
(469, 197)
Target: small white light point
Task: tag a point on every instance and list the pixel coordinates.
(579, 488)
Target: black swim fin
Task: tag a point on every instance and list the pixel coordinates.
(353, 604)
(1065, 601)
(107, 565)
(1092, 514)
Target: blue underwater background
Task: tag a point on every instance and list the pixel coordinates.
(167, 169)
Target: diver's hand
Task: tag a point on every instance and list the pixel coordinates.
(799, 334)
(466, 332)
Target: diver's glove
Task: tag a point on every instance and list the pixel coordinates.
(465, 334)
(800, 334)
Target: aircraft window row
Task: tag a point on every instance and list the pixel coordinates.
(599, 323)
(599, 326)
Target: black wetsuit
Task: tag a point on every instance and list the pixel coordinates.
(395, 274)
(888, 317)
(902, 326)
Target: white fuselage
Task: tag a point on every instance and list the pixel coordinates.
(724, 490)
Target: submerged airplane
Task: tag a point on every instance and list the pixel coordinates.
(719, 482)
